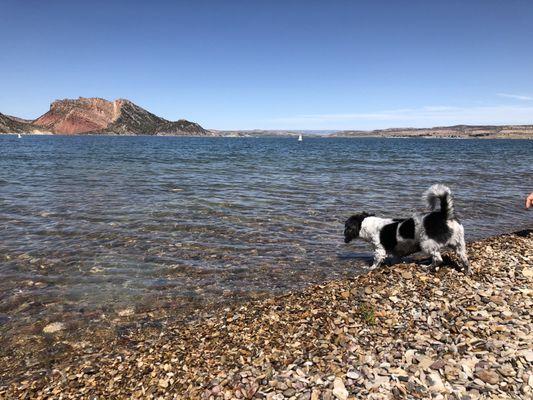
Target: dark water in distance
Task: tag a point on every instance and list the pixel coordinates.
(102, 223)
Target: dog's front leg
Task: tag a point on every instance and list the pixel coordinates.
(436, 260)
(379, 255)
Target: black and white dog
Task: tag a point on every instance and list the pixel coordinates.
(428, 233)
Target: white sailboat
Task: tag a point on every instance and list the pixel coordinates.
(18, 135)
(300, 138)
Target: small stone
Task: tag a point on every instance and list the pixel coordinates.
(497, 300)
(353, 375)
(394, 299)
(467, 370)
(327, 395)
(488, 376)
(409, 354)
(424, 362)
(437, 364)
(339, 390)
(289, 392)
(435, 382)
(407, 275)
(507, 370)
(54, 327)
(305, 396)
(127, 312)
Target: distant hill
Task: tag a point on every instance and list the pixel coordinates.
(270, 132)
(9, 124)
(95, 115)
(122, 117)
(457, 131)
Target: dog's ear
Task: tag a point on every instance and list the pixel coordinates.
(352, 226)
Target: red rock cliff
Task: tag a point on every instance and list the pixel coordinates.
(95, 115)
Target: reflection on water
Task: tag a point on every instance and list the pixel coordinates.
(101, 223)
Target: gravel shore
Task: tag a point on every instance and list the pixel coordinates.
(396, 332)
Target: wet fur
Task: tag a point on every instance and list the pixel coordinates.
(429, 233)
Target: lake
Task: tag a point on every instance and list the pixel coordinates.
(93, 225)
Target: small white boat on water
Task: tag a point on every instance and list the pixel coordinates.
(300, 138)
(18, 135)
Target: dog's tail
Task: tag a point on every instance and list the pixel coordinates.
(442, 194)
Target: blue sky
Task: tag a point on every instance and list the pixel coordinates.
(275, 64)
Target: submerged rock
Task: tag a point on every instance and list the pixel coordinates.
(54, 327)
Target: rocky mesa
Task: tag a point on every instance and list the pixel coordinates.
(100, 116)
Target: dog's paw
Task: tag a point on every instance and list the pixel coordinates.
(468, 271)
(430, 268)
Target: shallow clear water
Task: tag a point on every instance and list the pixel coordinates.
(100, 223)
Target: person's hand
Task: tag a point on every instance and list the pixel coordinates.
(529, 200)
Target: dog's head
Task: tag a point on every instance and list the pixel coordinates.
(352, 226)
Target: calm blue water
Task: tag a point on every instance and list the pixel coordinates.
(90, 224)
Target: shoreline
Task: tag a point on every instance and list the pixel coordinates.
(291, 136)
(397, 331)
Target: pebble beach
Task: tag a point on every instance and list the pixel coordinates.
(396, 332)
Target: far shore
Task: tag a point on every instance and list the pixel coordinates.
(292, 135)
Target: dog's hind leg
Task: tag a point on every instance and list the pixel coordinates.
(436, 260)
(461, 252)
